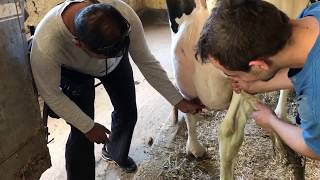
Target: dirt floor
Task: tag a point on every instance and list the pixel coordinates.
(256, 159)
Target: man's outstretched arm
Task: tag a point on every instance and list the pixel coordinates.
(278, 82)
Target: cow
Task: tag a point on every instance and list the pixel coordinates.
(210, 85)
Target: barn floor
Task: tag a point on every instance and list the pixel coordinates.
(255, 160)
(153, 111)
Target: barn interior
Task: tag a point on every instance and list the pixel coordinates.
(158, 146)
(153, 109)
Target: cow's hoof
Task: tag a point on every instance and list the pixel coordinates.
(195, 149)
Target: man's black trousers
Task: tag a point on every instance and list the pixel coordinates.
(119, 84)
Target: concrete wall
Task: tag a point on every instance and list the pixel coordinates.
(139, 5)
(154, 4)
(23, 145)
(38, 8)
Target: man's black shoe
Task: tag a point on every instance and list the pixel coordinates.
(128, 166)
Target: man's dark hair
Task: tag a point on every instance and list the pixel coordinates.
(99, 25)
(239, 31)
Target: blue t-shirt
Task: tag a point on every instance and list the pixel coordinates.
(306, 82)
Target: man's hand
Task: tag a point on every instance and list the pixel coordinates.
(98, 134)
(264, 116)
(279, 81)
(193, 106)
(238, 85)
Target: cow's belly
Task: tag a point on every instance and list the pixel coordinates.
(197, 80)
(184, 74)
(212, 86)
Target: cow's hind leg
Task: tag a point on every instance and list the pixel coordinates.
(174, 115)
(193, 146)
(280, 148)
(281, 110)
(232, 132)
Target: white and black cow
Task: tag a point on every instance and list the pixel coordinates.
(211, 86)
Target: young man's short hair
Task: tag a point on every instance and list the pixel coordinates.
(239, 31)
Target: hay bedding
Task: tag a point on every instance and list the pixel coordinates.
(256, 159)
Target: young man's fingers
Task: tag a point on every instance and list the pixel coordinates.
(103, 139)
(193, 112)
(253, 115)
(234, 85)
(107, 130)
(99, 141)
(234, 79)
(107, 141)
(258, 106)
(238, 90)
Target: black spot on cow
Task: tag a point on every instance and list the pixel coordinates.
(176, 8)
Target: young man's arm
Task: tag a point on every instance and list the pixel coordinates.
(290, 134)
(278, 82)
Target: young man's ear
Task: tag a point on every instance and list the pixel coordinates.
(213, 61)
(216, 63)
(259, 64)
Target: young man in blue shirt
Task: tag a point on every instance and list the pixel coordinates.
(261, 50)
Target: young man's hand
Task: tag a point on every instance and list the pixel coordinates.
(238, 85)
(279, 81)
(264, 116)
(98, 134)
(190, 106)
